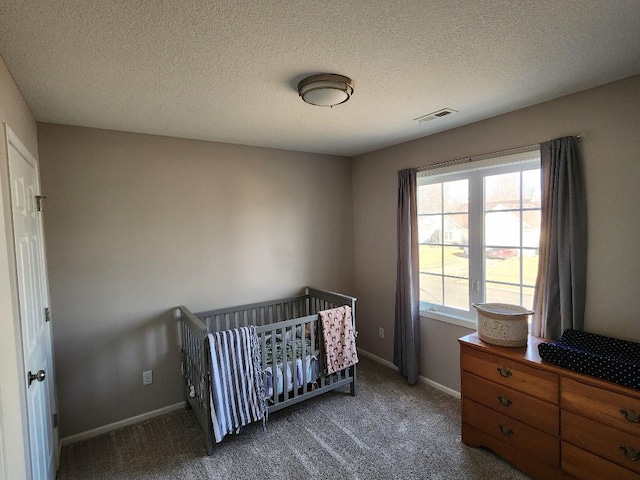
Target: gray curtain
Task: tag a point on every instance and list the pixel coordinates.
(559, 299)
(406, 353)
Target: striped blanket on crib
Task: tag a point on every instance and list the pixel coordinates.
(237, 391)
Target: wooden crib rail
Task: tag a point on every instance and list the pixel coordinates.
(257, 314)
(250, 306)
(195, 369)
(185, 315)
(324, 300)
(337, 299)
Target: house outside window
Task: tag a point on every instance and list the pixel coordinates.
(489, 211)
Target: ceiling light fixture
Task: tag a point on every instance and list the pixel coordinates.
(326, 90)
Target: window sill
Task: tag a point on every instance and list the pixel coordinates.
(448, 318)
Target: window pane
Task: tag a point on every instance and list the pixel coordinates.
(529, 266)
(502, 229)
(531, 185)
(456, 196)
(493, 241)
(430, 198)
(456, 229)
(431, 289)
(502, 191)
(502, 265)
(456, 293)
(429, 227)
(531, 228)
(527, 299)
(496, 293)
(430, 259)
(456, 263)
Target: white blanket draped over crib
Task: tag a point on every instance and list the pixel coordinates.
(237, 390)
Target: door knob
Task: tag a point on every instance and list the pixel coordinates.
(36, 376)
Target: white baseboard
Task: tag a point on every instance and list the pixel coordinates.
(439, 386)
(94, 432)
(425, 380)
(377, 359)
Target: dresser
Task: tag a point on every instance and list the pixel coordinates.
(547, 421)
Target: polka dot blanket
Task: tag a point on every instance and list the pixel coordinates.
(607, 358)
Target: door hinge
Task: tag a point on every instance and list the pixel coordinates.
(56, 422)
(47, 314)
(39, 199)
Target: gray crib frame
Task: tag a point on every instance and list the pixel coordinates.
(283, 316)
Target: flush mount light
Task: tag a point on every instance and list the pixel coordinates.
(325, 90)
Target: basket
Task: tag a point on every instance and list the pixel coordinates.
(503, 324)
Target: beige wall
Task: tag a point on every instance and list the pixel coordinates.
(138, 224)
(609, 117)
(13, 428)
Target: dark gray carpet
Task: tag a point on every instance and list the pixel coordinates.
(390, 430)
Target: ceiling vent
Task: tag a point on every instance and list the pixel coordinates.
(437, 114)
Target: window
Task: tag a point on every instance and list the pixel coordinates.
(478, 230)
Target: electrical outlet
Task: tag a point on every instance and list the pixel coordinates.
(380, 332)
(147, 377)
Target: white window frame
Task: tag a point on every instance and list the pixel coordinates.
(474, 171)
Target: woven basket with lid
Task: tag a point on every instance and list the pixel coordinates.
(503, 324)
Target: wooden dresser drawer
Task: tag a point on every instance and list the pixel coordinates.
(532, 381)
(605, 441)
(518, 458)
(586, 466)
(544, 416)
(513, 433)
(615, 409)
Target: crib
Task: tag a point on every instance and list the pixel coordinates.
(291, 350)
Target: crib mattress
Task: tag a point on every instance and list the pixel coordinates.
(289, 373)
(603, 357)
(292, 371)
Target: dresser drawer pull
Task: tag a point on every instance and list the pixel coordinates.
(506, 430)
(632, 453)
(505, 401)
(505, 372)
(630, 415)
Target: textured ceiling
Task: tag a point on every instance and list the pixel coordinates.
(227, 70)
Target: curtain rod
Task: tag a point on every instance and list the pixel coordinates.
(484, 155)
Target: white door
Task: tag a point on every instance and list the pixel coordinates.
(33, 298)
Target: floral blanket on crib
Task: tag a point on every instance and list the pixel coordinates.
(292, 348)
(292, 367)
(339, 338)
